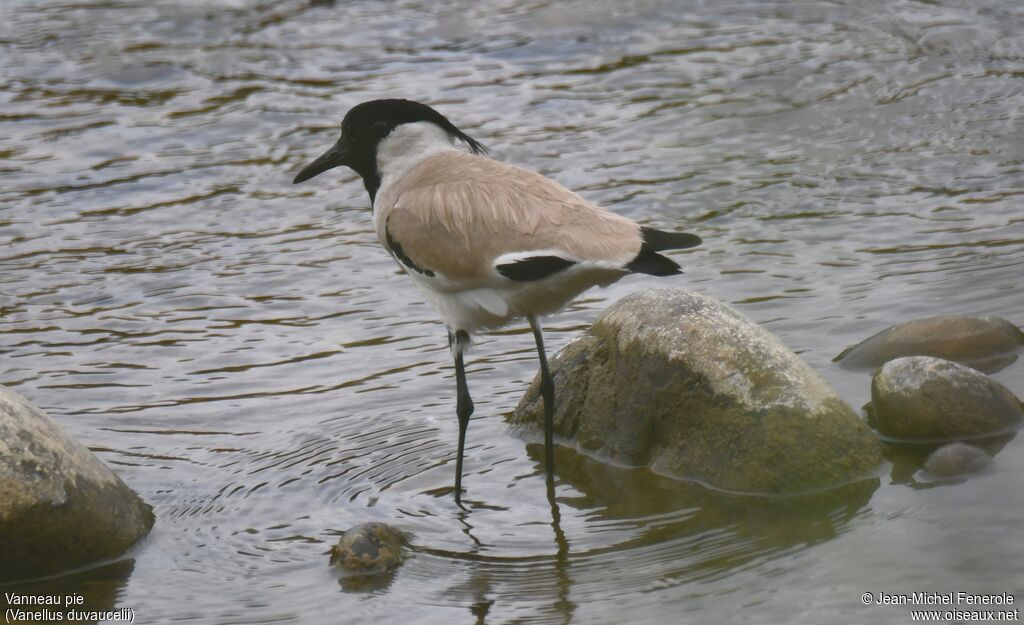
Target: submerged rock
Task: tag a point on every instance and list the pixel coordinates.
(369, 549)
(686, 385)
(986, 343)
(956, 459)
(925, 398)
(60, 507)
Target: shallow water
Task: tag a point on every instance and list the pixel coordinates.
(244, 354)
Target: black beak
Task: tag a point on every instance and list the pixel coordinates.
(338, 155)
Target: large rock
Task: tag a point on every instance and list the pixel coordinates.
(925, 399)
(688, 386)
(986, 343)
(60, 507)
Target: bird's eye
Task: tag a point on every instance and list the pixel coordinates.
(379, 129)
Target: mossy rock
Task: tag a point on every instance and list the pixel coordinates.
(369, 549)
(60, 507)
(688, 386)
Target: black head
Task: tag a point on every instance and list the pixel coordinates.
(365, 126)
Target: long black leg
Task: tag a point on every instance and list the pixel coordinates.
(463, 406)
(547, 391)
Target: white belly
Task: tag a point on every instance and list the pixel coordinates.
(492, 306)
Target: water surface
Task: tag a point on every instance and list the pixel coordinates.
(244, 354)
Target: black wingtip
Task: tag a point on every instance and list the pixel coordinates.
(649, 261)
(659, 240)
(654, 264)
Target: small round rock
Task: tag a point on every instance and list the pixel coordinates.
(956, 459)
(369, 549)
(923, 398)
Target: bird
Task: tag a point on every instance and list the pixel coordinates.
(486, 242)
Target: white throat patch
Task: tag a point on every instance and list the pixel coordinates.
(405, 147)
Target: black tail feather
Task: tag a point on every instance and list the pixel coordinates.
(650, 262)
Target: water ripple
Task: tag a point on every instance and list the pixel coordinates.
(246, 356)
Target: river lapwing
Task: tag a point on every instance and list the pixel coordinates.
(486, 242)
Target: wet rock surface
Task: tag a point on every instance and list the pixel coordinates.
(956, 459)
(986, 343)
(369, 549)
(925, 398)
(686, 385)
(60, 507)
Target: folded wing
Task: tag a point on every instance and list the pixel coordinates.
(472, 219)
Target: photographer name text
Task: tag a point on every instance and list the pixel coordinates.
(940, 598)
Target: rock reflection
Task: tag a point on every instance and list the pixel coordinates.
(98, 589)
(764, 524)
(642, 532)
(908, 460)
(367, 583)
